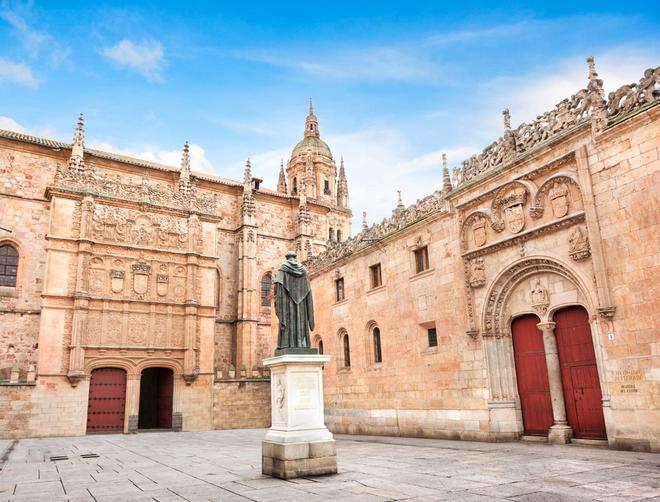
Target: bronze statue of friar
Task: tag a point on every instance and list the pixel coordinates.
(294, 307)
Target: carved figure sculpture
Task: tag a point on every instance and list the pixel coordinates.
(540, 298)
(578, 245)
(477, 273)
(294, 305)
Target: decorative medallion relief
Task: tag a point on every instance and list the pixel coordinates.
(578, 244)
(479, 232)
(141, 272)
(511, 204)
(558, 196)
(477, 274)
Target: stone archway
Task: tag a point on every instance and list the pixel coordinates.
(538, 286)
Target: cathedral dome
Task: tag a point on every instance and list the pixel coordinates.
(314, 144)
(312, 140)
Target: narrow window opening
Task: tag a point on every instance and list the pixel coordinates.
(320, 346)
(347, 352)
(376, 276)
(339, 289)
(378, 357)
(8, 265)
(266, 284)
(421, 259)
(433, 337)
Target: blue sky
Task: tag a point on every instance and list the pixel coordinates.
(394, 84)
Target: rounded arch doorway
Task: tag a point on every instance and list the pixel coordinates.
(156, 398)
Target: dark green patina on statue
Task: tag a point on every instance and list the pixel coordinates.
(294, 307)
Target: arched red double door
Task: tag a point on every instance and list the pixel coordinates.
(579, 374)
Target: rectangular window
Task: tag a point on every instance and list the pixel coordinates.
(421, 259)
(339, 289)
(326, 187)
(433, 337)
(376, 276)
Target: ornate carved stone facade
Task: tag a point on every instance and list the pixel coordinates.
(135, 271)
(145, 266)
(556, 216)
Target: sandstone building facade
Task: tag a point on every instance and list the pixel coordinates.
(519, 299)
(135, 295)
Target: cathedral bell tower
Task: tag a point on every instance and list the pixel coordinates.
(312, 165)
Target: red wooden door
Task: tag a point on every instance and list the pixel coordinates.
(579, 374)
(165, 390)
(107, 400)
(532, 375)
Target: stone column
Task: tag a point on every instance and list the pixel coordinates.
(132, 402)
(560, 432)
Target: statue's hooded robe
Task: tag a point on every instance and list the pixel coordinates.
(294, 305)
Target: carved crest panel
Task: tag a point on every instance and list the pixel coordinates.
(126, 226)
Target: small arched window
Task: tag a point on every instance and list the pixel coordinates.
(8, 265)
(266, 283)
(378, 356)
(320, 346)
(331, 234)
(338, 235)
(347, 352)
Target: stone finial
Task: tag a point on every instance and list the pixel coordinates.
(342, 186)
(399, 202)
(365, 225)
(446, 180)
(311, 123)
(248, 206)
(596, 98)
(281, 181)
(591, 63)
(247, 175)
(507, 120)
(184, 174)
(76, 161)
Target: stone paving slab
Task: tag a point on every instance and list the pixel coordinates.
(226, 466)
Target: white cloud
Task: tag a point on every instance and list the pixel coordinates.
(379, 161)
(33, 39)
(10, 124)
(539, 90)
(384, 62)
(145, 57)
(198, 160)
(17, 73)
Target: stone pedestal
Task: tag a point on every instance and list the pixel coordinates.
(298, 442)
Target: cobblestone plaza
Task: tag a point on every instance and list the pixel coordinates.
(225, 465)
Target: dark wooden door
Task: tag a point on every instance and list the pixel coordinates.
(107, 400)
(165, 390)
(579, 374)
(532, 375)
